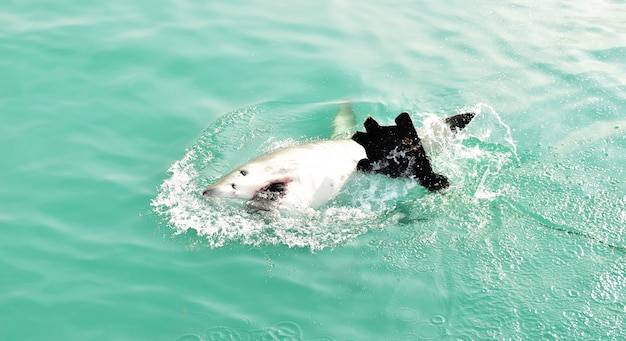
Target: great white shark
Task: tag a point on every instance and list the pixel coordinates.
(311, 174)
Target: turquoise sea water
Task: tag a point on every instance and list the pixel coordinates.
(115, 116)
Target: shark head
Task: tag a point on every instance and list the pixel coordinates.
(248, 181)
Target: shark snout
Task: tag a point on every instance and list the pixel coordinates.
(208, 193)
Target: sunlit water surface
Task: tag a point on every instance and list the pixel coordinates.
(116, 116)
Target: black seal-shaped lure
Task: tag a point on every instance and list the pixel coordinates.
(397, 151)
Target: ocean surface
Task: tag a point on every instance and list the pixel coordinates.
(116, 115)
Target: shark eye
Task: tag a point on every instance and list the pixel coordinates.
(243, 172)
(233, 186)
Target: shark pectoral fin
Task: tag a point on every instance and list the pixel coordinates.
(267, 199)
(460, 121)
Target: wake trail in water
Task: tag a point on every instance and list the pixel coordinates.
(523, 213)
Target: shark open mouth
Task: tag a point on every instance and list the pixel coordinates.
(267, 198)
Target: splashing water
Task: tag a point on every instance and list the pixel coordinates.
(472, 160)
